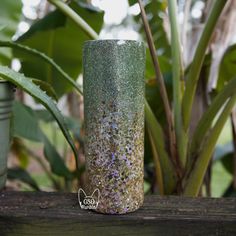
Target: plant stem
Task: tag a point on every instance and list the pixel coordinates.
(198, 59)
(75, 17)
(162, 88)
(194, 181)
(158, 139)
(178, 81)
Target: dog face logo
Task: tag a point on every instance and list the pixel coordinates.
(88, 202)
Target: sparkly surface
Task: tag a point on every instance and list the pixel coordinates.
(114, 122)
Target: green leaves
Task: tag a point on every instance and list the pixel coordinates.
(26, 125)
(28, 86)
(43, 57)
(200, 144)
(195, 68)
(184, 86)
(10, 14)
(205, 137)
(62, 41)
(207, 119)
(197, 174)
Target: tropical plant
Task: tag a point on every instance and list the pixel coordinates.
(188, 155)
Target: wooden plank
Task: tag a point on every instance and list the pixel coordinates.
(40, 213)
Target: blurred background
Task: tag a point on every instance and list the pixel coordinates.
(36, 164)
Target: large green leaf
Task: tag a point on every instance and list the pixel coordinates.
(10, 14)
(227, 69)
(59, 38)
(28, 86)
(25, 123)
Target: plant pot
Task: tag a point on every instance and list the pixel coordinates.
(114, 122)
(6, 101)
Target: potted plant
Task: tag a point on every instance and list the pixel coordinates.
(6, 100)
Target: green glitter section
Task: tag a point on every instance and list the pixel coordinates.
(114, 122)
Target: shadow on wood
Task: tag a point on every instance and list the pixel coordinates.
(48, 214)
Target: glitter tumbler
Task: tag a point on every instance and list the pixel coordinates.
(114, 122)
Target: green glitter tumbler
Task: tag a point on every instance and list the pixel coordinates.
(114, 122)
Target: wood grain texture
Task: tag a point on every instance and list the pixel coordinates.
(48, 214)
